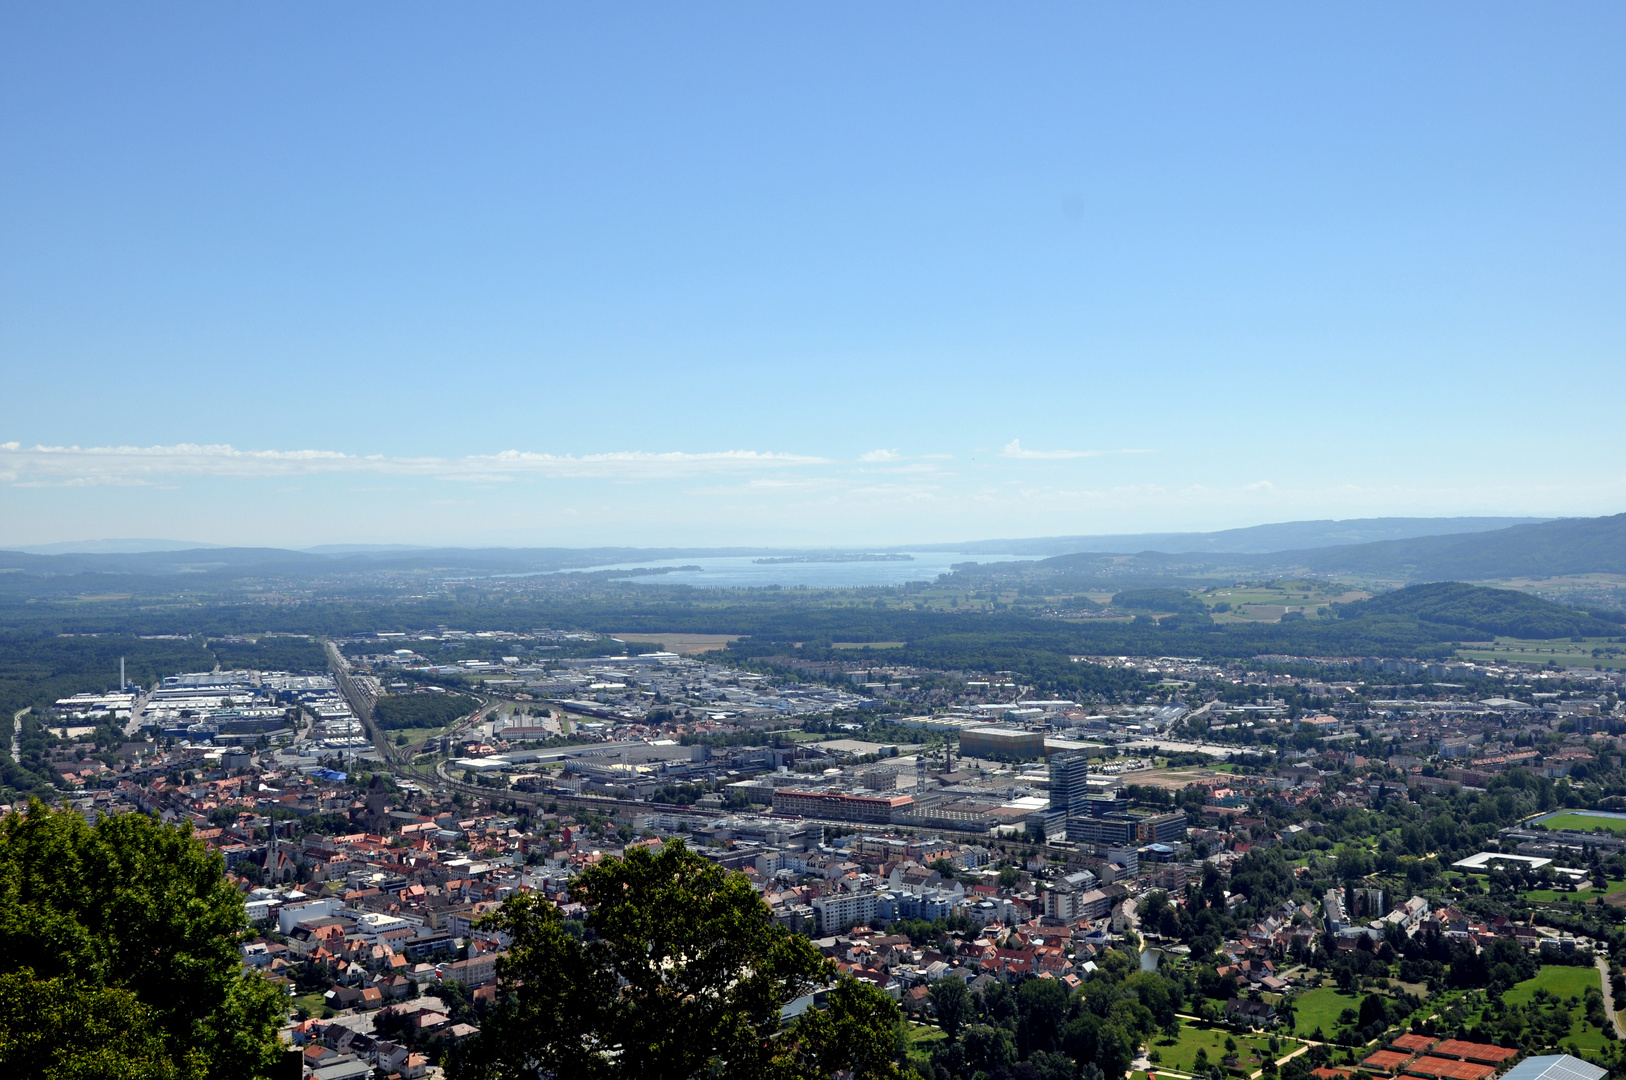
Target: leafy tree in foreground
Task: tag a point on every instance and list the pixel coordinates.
(124, 937)
(56, 1030)
(683, 973)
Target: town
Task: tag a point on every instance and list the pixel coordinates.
(1261, 831)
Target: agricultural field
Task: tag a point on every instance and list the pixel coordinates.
(1269, 602)
(1563, 652)
(1320, 1009)
(1180, 1054)
(686, 644)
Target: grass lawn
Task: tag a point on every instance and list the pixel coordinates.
(1586, 1037)
(921, 1039)
(1584, 822)
(1320, 1009)
(415, 736)
(1563, 982)
(313, 1003)
(1586, 896)
(1181, 1054)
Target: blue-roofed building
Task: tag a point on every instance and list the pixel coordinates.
(1555, 1067)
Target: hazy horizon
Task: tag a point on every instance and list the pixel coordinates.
(1377, 528)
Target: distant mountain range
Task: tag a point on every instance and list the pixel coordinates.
(1407, 549)
(111, 547)
(1255, 539)
(1548, 549)
(1282, 536)
(1545, 549)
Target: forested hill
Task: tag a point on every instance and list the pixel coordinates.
(1546, 549)
(1490, 611)
(1550, 549)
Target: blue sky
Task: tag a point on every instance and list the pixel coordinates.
(861, 274)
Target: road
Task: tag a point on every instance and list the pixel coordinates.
(132, 729)
(1609, 998)
(17, 733)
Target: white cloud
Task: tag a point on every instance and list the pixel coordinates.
(40, 466)
(1015, 449)
(881, 455)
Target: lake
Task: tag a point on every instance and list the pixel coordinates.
(743, 572)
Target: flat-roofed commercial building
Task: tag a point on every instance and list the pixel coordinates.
(1001, 742)
(840, 806)
(1108, 830)
(1161, 828)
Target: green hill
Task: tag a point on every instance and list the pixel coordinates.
(1473, 607)
(1550, 549)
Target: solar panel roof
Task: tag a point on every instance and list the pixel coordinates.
(1555, 1067)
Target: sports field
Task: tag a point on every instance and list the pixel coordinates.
(1582, 821)
(1586, 896)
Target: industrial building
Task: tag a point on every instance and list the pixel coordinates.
(1012, 744)
(841, 806)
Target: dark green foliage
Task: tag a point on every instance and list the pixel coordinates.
(1158, 600)
(685, 970)
(142, 909)
(421, 710)
(1475, 608)
(951, 1001)
(37, 669)
(272, 654)
(1037, 1029)
(55, 1029)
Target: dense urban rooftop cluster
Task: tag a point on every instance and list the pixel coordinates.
(999, 837)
